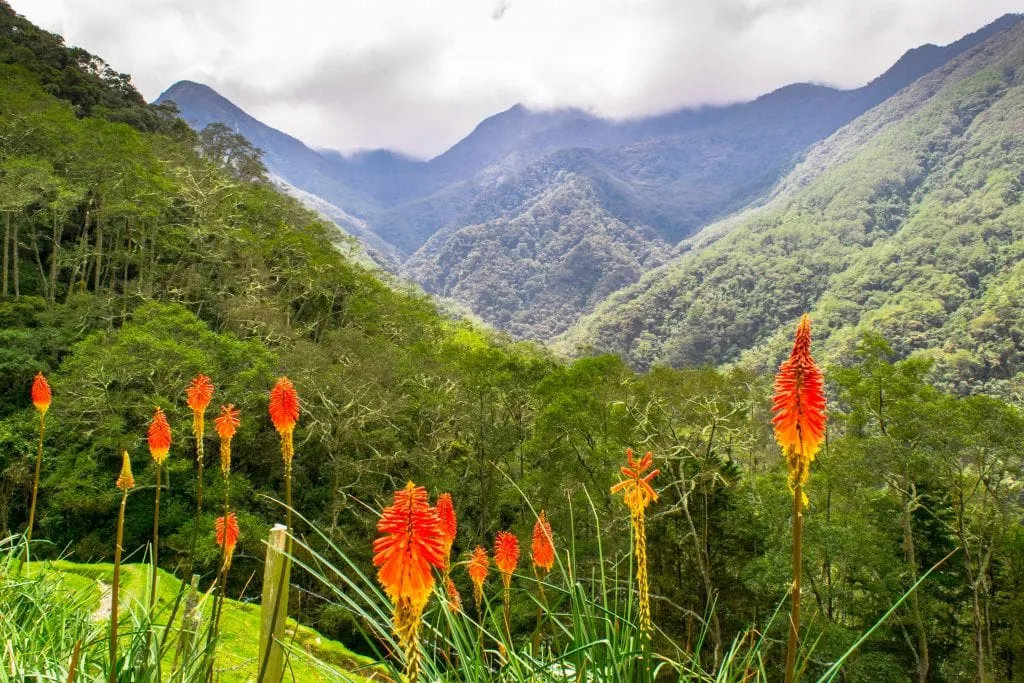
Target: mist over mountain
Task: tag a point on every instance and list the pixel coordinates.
(454, 223)
(906, 223)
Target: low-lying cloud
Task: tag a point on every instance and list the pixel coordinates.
(417, 76)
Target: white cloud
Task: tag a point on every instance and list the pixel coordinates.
(417, 75)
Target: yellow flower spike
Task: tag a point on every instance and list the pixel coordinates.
(125, 480)
(637, 495)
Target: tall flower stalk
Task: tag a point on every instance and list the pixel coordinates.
(198, 393)
(506, 557)
(283, 408)
(158, 438)
(477, 570)
(226, 424)
(799, 408)
(637, 495)
(125, 482)
(543, 555)
(284, 413)
(410, 547)
(41, 397)
(449, 529)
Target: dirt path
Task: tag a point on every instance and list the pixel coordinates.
(102, 613)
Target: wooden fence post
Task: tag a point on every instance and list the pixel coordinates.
(274, 606)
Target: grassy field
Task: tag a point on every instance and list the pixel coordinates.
(313, 657)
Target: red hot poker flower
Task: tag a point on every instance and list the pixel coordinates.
(543, 544)
(227, 536)
(41, 393)
(506, 552)
(637, 485)
(227, 422)
(410, 547)
(454, 598)
(199, 393)
(159, 436)
(232, 532)
(799, 405)
(449, 523)
(477, 570)
(284, 406)
(125, 480)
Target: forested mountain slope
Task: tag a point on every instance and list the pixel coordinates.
(665, 177)
(908, 222)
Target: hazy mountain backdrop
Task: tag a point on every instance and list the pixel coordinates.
(535, 218)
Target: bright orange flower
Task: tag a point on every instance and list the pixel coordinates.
(454, 598)
(125, 480)
(543, 544)
(410, 547)
(232, 531)
(41, 393)
(159, 436)
(799, 405)
(284, 406)
(477, 569)
(449, 523)
(637, 485)
(227, 422)
(227, 534)
(199, 393)
(506, 552)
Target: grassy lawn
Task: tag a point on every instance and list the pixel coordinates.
(240, 624)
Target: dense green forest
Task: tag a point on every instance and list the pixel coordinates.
(907, 222)
(138, 254)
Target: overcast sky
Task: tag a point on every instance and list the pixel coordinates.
(416, 76)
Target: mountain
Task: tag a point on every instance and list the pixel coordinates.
(907, 222)
(666, 177)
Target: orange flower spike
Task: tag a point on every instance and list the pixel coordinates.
(410, 547)
(543, 544)
(799, 405)
(454, 597)
(159, 436)
(477, 569)
(232, 531)
(199, 392)
(284, 413)
(506, 552)
(226, 423)
(284, 406)
(227, 536)
(198, 395)
(125, 480)
(41, 393)
(449, 522)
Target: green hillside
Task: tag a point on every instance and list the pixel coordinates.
(907, 222)
(532, 273)
(86, 589)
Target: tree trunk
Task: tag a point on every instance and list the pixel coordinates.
(910, 556)
(14, 263)
(52, 294)
(39, 263)
(99, 256)
(7, 250)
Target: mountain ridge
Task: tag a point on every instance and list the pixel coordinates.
(906, 222)
(668, 176)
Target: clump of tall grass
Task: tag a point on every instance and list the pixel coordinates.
(54, 627)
